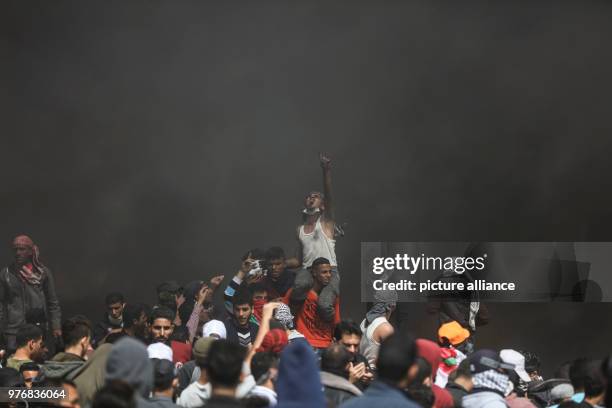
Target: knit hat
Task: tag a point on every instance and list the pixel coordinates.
(299, 381)
(454, 332)
(215, 328)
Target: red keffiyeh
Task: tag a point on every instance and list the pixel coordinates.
(31, 272)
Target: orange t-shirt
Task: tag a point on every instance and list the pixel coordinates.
(318, 332)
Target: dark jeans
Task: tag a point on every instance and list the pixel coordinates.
(327, 297)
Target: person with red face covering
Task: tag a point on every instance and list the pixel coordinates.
(26, 285)
(430, 351)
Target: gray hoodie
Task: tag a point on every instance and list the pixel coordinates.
(128, 361)
(484, 399)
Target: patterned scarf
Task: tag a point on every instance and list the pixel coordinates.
(31, 273)
(492, 380)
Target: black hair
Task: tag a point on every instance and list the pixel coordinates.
(320, 261)
(275, 324)
(114, 297)
(114, 337)
(224, 363)
(594, 382)
(256, 287)
(162, 381)
(532, 361)
(275, 253)
(346, 326)
(255, 401)
(463, 370)
(334, 359)
(132, 313)
(161, 312)
(29, 366)
(255, 253)
(262, 362)
(26, 333)
(115, 394)
(421, 394)
(242, 297)
(180, 334)
(396, 355)
(578, 372)
(423, 372)
(74, 329)
(563, 370)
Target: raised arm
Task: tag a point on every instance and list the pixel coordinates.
(264, 325)
(327, 187)
(234, 284)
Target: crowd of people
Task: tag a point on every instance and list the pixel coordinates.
(277, 340)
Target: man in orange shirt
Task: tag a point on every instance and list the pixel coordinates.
(317, 331)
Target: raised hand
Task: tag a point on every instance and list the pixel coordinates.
(325, 161)
(215, 281)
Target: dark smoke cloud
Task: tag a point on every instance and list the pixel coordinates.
(152, 140)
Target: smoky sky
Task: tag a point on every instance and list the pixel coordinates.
(148, 140)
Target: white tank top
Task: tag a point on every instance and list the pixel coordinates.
(368, 347)
(316, 245)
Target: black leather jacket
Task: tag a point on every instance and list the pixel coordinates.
(18, 297)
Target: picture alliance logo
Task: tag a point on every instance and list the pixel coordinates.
(405, 262)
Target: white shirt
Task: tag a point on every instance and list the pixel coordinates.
(195, 395)
(316, 245)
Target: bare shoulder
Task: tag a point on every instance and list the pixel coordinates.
(328, 226)
(383, 331)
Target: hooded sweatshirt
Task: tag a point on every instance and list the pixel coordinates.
(63, 366)
(90, 377)
(484, 399)
(430, 351)
(299, 383)
(129, 361)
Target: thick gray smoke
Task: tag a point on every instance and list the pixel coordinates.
(145, 141)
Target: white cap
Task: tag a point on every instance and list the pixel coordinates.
(160, 351)
(214, 328)
(518, 360)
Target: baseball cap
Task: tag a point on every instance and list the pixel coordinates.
(518, 360)
(202, 347)
(454, 332)
(484, 360)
